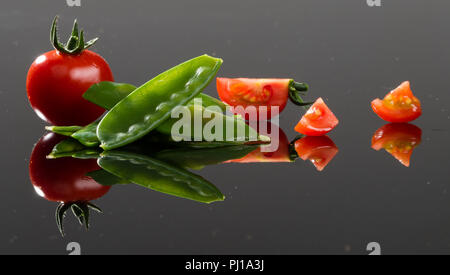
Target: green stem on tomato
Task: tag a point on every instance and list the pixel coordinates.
(75, 45)
(295, 88)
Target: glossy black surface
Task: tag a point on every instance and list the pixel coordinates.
(348, 52)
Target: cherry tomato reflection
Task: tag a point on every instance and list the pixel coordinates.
(64, 180)
(319, 150)
(276, 151)
(398, 139)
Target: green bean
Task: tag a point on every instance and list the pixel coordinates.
(151, 104)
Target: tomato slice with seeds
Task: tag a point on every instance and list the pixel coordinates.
(318, 120)
(263, 94)
(400, 105)
(398, 139)
(319, 150)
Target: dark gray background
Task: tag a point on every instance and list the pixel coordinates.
(348, 52)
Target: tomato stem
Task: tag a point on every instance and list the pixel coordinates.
(80, 209)
(75, 45)
(295, 88)
(293, 155)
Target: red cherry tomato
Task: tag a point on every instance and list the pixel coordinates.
(259, 94)
(318, 120)
(276, 151)
(319, 150)
(400, 105)
(57, 80)
(63, 179)
(398, 139)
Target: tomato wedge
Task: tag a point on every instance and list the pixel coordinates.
(263, 94)
(318, 120)
(398, 139)
(400, 105)
(319, 150)
(277, 150)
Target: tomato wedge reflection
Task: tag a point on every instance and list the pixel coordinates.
(64, 180)
(276, 151)
(398, 139)
(319, 150)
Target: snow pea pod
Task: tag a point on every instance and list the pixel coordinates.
(239, 131)
(72, 148)
(63, 130)
(199, 158)
(159, 176)
(88, 135)
(105, 178)
(107, 94)
(151, 104)
(85, 135)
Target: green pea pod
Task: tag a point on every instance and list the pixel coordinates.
(72, 148)
(88, 135)
(159, 176)
(64, 130)
(199, 158)
(105, 178)
(234, 128)
(85, 135)
(151, 104)
(167, 140)
(107, 94)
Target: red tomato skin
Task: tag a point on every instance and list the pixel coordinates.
(394, 133)
(280, 155)
(398, 115)
(315, 148)
(63, 179)
(319, 126)
(394, 116)
(267, 92)
(57, 81)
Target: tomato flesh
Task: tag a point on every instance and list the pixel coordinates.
(398, 139)
(400, 105)
(259, 93)
(277, 151)
(57, 81)
(63, 179)
(320, 150)
(318, 120)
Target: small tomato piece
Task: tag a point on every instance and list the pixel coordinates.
(319, 150)
(400, 105)
(398, 139)
(318, 120)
